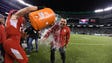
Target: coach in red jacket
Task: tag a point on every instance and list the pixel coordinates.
(61, 35)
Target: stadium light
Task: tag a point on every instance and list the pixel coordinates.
(99, 10)
(24, 3)
(108, 9)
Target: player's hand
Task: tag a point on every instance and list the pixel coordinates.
(33, 8)
(42, 40)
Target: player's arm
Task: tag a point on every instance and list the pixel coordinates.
(67, 37)
(20, 13)
(47, 34)
(51, 30)
(25, 10)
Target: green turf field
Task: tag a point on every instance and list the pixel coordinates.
(81, 49)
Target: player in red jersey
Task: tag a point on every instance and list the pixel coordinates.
(13, 50)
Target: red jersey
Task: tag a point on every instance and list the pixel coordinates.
(60, 35)
(2, 34)
(12, 43)
(13, 27)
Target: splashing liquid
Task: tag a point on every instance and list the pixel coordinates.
(54, 35)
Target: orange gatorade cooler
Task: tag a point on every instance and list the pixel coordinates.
(41, 18)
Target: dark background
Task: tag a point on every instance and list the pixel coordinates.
(72, 9)
(58, 5)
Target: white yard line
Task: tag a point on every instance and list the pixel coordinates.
(86, 38)
(89, 44)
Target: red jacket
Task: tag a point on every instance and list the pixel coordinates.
(11, 31)
(60, 35)
(2, 34)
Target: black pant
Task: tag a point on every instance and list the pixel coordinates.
(62, 53)
(2, 50)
